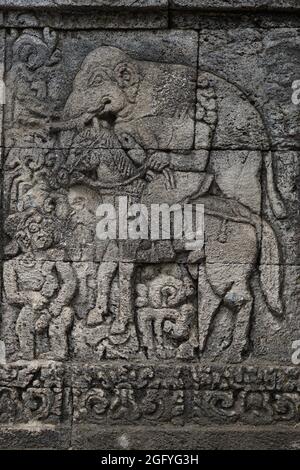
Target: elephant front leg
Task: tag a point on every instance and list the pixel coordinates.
(125, 312)
(243, 305)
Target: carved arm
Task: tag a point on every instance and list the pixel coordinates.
(14, 296)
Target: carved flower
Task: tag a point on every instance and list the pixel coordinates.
(37, 403)
(96, 402)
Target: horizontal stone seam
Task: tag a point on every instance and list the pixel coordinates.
(110, 365)
(70, 368)
(168, 150)
(83, 388)
(217, 428)
(166, 27)
(142, 263)
(173, 389)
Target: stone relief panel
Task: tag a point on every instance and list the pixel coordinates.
(158, 117)
(124, 124)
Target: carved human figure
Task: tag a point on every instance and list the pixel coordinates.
(41, 287)
(32, 95)
(81, 238)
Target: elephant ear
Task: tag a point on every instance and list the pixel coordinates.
(128, 78)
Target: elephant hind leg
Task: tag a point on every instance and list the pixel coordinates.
(240, 301)
(208, 304)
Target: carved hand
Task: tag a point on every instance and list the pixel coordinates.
(55, 309)
(95, 316)
(38, 301)
(158, 161)
(42, 323)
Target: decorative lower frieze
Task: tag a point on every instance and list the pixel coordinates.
(186, 394)
(148, 395)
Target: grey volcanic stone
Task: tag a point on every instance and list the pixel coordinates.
(108, 4)
(254, 5)
(115, 331)
(35, 405)
(192, 437)
(106, 19)
(239, 53)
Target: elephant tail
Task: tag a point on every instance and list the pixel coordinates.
(270, 270)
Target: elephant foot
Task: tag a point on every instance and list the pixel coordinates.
(186, 351)
(235, 356)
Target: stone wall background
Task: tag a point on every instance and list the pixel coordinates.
(216, 79)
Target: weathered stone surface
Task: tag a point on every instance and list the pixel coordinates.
(218, 19)
(34, 436)
(106, 19)
(283, 330)
(35, 405)
(194, 437)
(2, 87)
(287, 171)
(236, 54)
(160, 4)
(136, 340)
(254, 5)
(85, 3)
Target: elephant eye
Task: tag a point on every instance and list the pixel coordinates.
(33, 228)
(96, 80)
